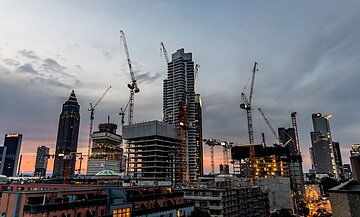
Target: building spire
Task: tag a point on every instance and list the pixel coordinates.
(72, 96)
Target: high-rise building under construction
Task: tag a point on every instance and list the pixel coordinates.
(179, 93)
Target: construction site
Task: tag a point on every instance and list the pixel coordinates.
(170, 152)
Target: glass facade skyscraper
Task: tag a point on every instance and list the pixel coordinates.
(12, 145)
(323, 151)
(179, 88)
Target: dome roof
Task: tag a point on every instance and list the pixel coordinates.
(106, 173)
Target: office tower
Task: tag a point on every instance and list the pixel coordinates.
(355, 150)
(12, 144)
(198, 129)
(322, 146)
(347, 171)
(67, 138)
(338, 159)
(179, 94)
(2, 158)
(106, 153)
(152, 152)
(42, 156)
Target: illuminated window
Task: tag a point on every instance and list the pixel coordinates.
(124, 212)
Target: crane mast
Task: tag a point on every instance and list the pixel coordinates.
(294, 123)
(246, 105)
(133, 86)
(91, 110)
(163, 49)
(269, 124)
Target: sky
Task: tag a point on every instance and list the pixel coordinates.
(308, 55)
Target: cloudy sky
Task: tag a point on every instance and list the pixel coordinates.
(308, 55)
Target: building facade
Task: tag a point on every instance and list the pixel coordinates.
(199, 170)
(152, 155)
(106, 151)
(42, 156)
(67, 138)
(179, 90)
(355, 150)
(225, 197)
(323, 151)
(12, 146)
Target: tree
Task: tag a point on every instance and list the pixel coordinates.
(199, 212)
(328, 183)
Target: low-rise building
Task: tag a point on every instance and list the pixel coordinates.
(280, 194)
(224, 197)
(81, 200)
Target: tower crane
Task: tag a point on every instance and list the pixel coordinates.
(163, 49)
(294, 123)
(270, 126)
(91, 110)
(226, 146)
(246, 105)
(122, 113)
(197, 66)
(133, 86)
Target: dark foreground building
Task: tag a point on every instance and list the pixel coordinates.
(42, 155)
(40, 199)
(11, 153)
(67, 138)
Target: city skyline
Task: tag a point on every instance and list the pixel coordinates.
(78, 46)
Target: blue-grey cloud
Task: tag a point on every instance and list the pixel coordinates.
(146, 77)
(27, 68)
(11, 62)
(28, 53)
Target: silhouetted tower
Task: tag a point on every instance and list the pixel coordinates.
(67, 138)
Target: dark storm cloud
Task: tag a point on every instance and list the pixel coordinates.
(28, 53)
(146, 77)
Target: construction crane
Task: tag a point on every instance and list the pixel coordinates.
(294, 123)
(226, 146)
(122, 113)
(91, 110)
(270, 126)
(197, 66)
(163, 49)
(67, 157)
(133, 86)
(246, 105)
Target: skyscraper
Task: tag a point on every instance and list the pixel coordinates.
(355, 150)
(41, 161)
(67, 137)
(198, 129)
(323, 151)
(12, 144)
(106, 153)
(179, 90)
